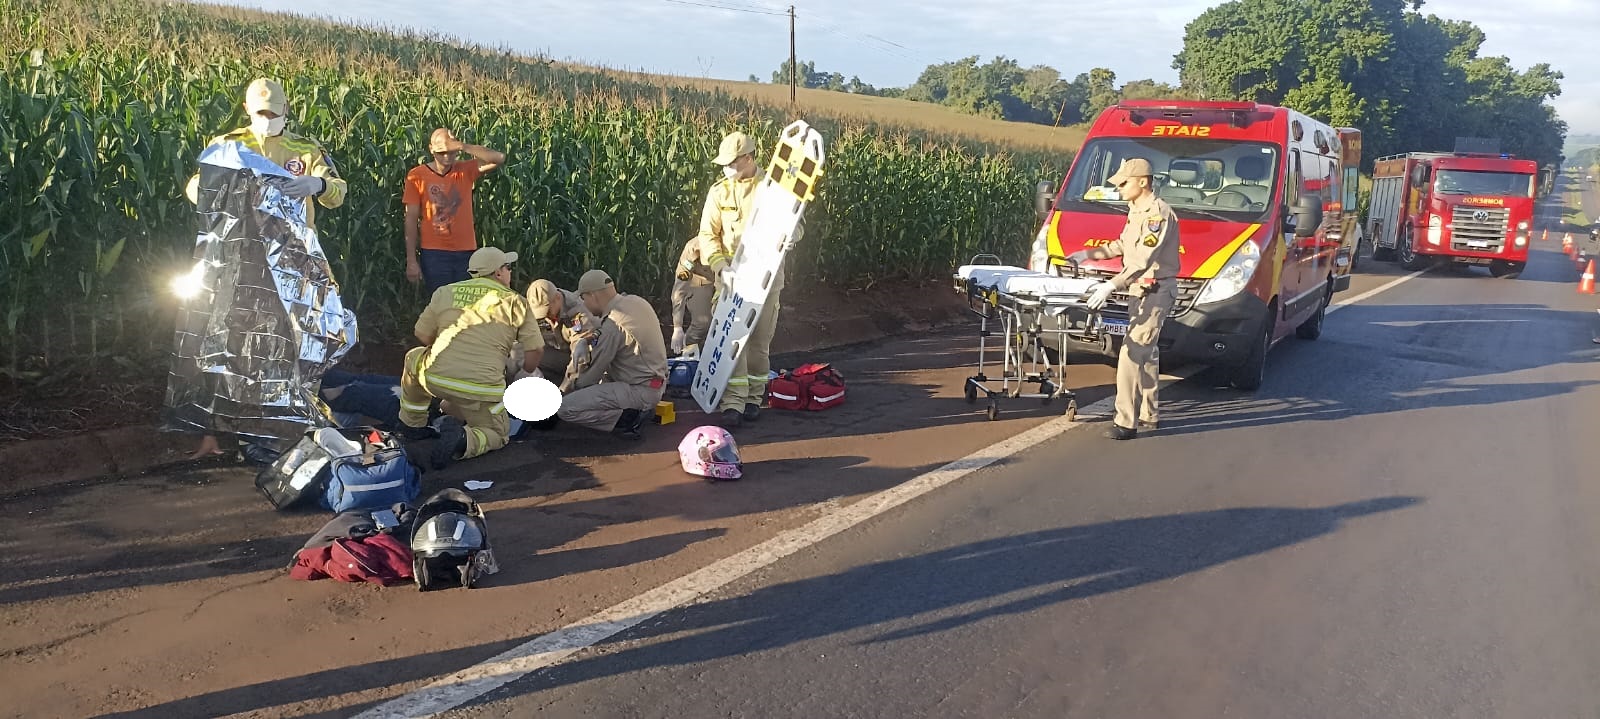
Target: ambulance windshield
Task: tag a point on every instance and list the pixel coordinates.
(1213, 179)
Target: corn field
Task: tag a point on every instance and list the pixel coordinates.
(105, 104)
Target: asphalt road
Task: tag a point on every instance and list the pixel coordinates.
(1401, 523)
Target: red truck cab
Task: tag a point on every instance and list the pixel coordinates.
(1464, 208)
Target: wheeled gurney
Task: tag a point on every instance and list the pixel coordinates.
(1030, 307)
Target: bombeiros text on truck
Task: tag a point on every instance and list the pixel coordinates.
(1470, 207)
(1260, 193)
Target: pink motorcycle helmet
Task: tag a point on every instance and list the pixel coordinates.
(711, 453)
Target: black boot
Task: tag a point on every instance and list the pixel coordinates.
(452, 443)
(629, 425)
(414, 434)
(731, 419)
(1120, 432)
(751, 412)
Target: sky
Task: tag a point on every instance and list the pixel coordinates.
(889, 42)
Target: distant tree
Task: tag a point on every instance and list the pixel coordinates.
(1408, 81)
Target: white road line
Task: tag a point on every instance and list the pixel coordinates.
(1375, 291)
(556, 647)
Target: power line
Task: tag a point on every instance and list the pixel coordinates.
(750, 10)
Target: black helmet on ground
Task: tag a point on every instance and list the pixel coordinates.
(449, 542)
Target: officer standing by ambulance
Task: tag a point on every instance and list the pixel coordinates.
(1148, 247)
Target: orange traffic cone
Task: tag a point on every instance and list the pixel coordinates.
(1546, 236)
(1586, 284)
(1566, 244)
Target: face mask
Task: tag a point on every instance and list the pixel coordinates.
(730, 172)
(263, 127)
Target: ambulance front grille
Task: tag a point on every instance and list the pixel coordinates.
(1188, 291)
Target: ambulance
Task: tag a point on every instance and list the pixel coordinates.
(1260, 193)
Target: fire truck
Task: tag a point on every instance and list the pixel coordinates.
(1260, 192)
(1469, 208)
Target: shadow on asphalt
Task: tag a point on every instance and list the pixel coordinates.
(1410, 358)
(1091, 560)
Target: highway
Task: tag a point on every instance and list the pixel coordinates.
(1400, 523)
(1403, 522)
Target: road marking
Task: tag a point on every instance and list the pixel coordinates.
(551, 649)
(1375, 291)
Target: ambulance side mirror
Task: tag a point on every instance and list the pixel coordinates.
(1307, 215)
(1044, 197)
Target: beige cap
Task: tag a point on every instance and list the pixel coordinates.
(734, 144)
(440, 140)
(593, 280)
(1131, 168)
(539, 294)
(488, 259)
(264, 94)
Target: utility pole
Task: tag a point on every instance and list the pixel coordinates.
(794, 67)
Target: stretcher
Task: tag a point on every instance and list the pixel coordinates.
(1028, 309)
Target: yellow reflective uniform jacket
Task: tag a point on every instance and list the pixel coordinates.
(474, 324)
(299, 155)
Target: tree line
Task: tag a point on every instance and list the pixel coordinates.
(1409, 81)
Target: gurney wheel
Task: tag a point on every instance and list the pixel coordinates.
(994, 410)
(1072, 410)
(971, 392)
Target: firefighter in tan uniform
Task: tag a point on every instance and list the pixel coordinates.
(562, 320)
(693, 290)
(267, 106)
(314, 172)
(624, 373)
(468, 328)
(727, 207)
(1148, 247)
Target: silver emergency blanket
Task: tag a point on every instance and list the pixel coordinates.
(264, 319)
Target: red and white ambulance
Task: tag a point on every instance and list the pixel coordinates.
(1259, 192)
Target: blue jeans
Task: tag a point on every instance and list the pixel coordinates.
(364, 395)
(442, 267)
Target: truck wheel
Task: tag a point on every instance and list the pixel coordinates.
(1409, 259)
(1312, 328)
(1249, 375)
(1506, 270)
(1381, 254)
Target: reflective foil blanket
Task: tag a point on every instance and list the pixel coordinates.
(261, 317)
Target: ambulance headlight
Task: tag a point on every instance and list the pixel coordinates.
(1234, 275)
(1523, 225)
(1435, 230)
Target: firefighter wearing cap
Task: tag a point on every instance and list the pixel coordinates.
(727, 207)
(440, 232)
(1148, 247)
(693, 290)
(315, 175)
(468, 328)
(625, 374)
(314, 172)
(562, 319)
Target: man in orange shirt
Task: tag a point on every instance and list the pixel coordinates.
(440, 236)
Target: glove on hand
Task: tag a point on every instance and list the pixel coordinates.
(1099, 294)
(303, 186)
